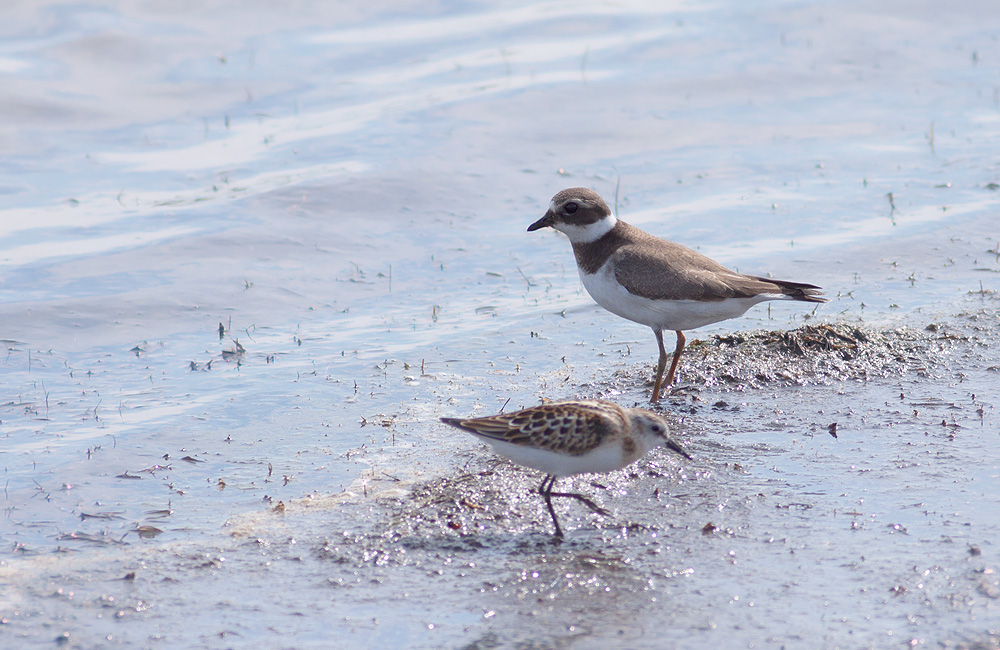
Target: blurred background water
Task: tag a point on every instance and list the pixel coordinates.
(244, 247)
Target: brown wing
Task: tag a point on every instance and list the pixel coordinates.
(660, 269)
(572, 428)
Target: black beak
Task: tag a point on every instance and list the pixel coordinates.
(544, 222)
(673, 446)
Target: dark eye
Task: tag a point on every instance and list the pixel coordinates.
(570, 207)
(656, 428)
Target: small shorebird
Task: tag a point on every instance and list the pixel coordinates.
(653, 281)
(573, 437)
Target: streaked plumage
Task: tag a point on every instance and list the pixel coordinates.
(572, 437)
(659, 283)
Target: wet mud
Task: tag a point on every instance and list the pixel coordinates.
(843, 501)
(810, 354)
(797, 504)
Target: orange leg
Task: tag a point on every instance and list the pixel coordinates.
(662, 363)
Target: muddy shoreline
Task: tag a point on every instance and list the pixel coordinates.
(783, 530)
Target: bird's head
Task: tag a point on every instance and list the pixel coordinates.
(654, 429)
(579, 213)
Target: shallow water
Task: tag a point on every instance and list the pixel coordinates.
(344, 191)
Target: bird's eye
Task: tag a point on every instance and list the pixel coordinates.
(656, 428)
(570, 207)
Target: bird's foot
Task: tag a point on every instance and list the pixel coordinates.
(584, 500)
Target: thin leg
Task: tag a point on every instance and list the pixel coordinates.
(579, 497)
(663, 362)
(545, 489)
(660, 365)
(677, 357)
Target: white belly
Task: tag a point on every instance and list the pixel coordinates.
(664, 314)
(606, 458)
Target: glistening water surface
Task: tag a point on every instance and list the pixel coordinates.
(250, 254)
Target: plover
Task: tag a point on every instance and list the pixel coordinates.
(661, 284)
(569, 438)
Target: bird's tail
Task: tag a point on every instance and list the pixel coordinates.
(798, 290)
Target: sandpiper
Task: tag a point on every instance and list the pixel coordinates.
(661, 284)
(569, 438)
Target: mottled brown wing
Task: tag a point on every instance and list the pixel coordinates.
(567, 428)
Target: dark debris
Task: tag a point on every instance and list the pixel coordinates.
(811, 354)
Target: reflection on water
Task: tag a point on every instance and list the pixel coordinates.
(344, 191)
